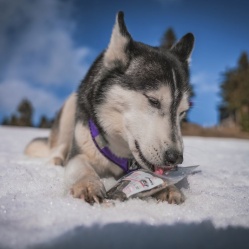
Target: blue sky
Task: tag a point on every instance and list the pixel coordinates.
(47, 46)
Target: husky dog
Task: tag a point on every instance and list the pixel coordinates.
(130, 104)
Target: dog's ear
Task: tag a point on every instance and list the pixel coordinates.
(183, 48)
(117, 51)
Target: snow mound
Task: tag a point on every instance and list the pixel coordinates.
(34, 208)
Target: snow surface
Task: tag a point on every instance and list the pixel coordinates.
(36, 212)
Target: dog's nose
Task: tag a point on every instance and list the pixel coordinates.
(173, 156)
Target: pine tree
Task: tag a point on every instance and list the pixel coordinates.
(243, 62)
(5, 121)
(235, 92)
(25, 111)
(14, 121)
(44, 122)
(168, 39)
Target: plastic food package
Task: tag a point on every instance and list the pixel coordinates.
(143, 183)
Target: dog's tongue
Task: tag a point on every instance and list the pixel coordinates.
(161, 170)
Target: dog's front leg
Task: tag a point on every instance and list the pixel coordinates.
(171, 194)
(83, 181)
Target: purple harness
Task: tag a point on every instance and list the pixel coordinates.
(126, 164)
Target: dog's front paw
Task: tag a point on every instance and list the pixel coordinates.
(90, 189)
(170, 194)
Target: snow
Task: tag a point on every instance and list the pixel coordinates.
(35, 210)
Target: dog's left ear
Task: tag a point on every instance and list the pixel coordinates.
(117, 51)
(183, 48)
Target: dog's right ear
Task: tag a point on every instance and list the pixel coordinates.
(117, 51)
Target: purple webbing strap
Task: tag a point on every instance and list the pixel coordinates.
(121, 162)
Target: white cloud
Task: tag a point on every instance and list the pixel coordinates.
(12, 92)
(38, 51)
(204, 83)
(44, 51)
(51, 60)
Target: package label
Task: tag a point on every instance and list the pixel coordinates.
(140, 181)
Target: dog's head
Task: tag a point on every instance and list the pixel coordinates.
(143, 96)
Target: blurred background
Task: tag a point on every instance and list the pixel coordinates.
(47, 46)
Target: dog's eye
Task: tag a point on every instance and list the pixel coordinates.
(154, 102)
(182, 113)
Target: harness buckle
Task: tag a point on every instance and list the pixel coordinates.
(133, 165)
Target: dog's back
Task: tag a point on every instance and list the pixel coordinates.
(57, 145)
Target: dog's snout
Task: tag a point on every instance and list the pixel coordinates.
(173, 156)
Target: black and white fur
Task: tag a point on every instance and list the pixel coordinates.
(136, 95)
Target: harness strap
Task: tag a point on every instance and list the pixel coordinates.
(126, 164)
